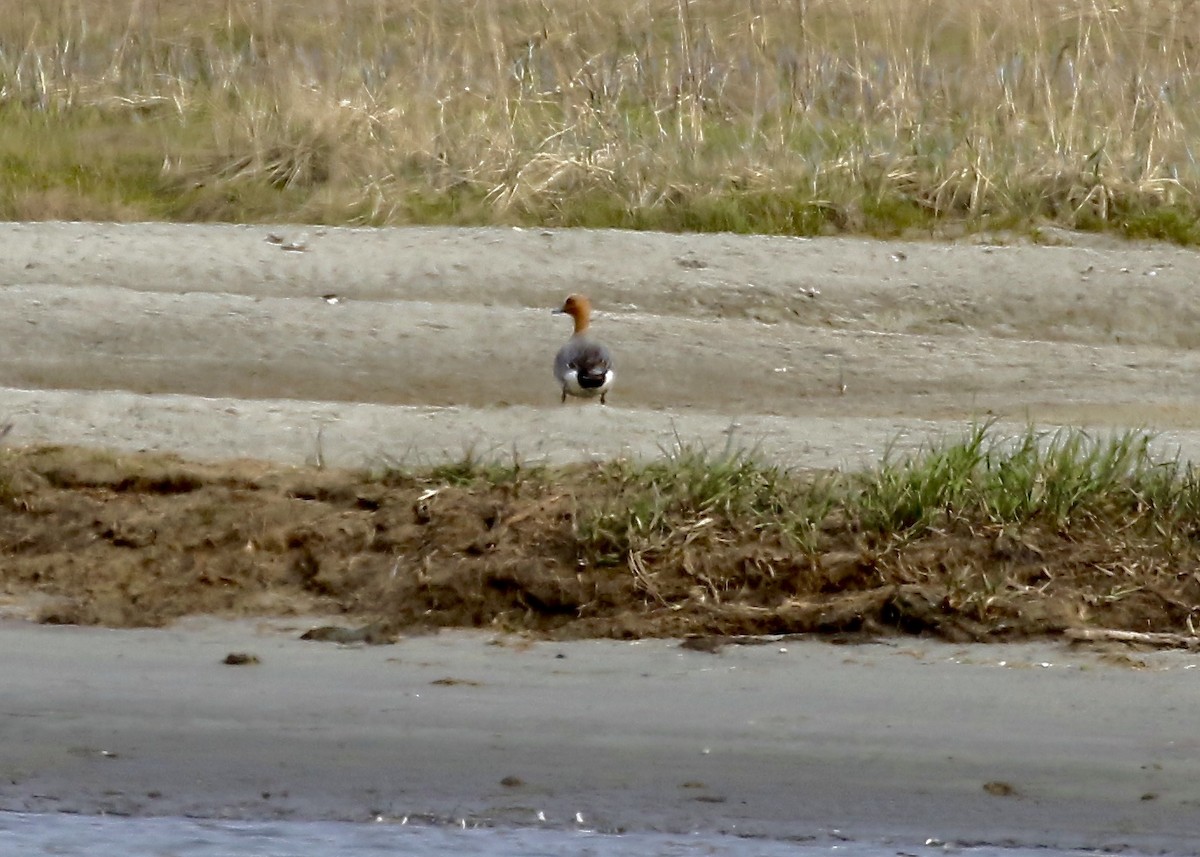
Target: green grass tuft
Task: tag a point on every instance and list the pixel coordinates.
(691, 496)
(1059, 479)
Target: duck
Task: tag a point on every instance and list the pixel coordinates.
(583, 367)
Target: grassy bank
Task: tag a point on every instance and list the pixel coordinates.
(982, 539)
(798, 117)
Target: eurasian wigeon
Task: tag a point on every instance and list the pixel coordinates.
(583, 367)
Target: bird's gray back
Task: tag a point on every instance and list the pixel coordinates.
(583, 355)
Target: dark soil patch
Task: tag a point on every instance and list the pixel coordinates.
(124, 541)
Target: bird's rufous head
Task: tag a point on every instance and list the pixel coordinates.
(580, 309)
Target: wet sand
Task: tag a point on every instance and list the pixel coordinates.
(1029, 744)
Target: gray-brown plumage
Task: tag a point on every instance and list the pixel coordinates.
(583, 366)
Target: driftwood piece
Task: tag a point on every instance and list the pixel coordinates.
(1158, 641)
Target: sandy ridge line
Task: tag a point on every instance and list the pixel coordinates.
(1140, 293)
(410, 352)
(372, 436)
(364, 435)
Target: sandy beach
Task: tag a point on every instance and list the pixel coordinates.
(366, 347)
(908, 742)
(415, 344)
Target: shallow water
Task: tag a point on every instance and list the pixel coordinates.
(29, 835)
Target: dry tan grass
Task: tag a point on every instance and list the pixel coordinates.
(794, 116)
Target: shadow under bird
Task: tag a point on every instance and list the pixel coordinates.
(583, 367)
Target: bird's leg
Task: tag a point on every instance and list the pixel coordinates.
(602, 395)
(563, 400)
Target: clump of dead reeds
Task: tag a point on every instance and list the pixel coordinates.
(798, 117)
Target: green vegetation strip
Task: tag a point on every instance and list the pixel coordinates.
(988, 537)
(796, 117)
